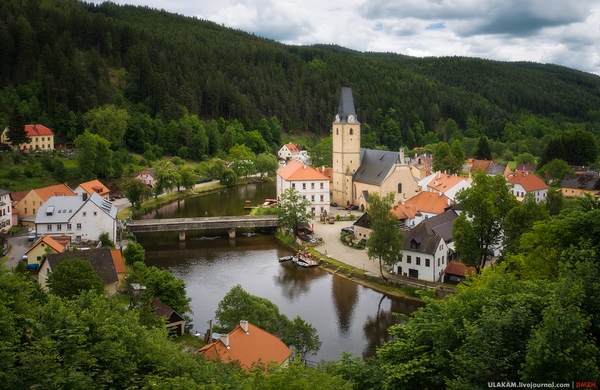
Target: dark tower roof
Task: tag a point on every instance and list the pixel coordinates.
(347, 106)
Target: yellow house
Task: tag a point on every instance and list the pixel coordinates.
(101, 260)
(34, 199)
(41, 138)
(575, 185)
(41, 247)
(119, 268)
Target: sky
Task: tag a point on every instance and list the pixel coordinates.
(547, 31)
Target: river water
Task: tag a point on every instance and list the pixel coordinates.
(348, 317)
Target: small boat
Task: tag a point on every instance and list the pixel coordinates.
(285, 258)
(307, 263)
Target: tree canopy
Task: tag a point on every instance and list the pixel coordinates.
(73, 277)
(292, 210)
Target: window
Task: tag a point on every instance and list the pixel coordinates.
(95, 213)
(84, 213)
(312, 198)
(293, 185)
(68, 226)
(418, 261)
(49, 228)
(337, 131)
(58, 227)
(427, 263)
(25, 210)
(34, 211)
(438, 261)
(303, 186)
(442, 259)
(312, 186)
(322, 209)
(78, 226)
(351, 131)
(48, 271)
(34, 203)
(408, 259)
(25, 203)
(322, 186)
(322, 198)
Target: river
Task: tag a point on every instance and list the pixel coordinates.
(348, 317)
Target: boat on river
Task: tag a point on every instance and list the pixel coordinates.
(285, 258)
(306, 263)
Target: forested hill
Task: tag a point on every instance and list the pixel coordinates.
(62, 58)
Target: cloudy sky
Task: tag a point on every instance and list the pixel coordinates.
(547, 31)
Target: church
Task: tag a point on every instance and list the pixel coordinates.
(359, 172)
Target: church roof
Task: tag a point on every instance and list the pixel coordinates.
(347, 106)
(375, 166)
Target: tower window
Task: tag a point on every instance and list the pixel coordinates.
(351, 132)
(337, 131)
(399, 188)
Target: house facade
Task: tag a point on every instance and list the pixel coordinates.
(575, 185)
(524, 183)
(175, 322)
(443, 183)
(82, 220)
(309, 182)
(33, 200)
(101, 260)
(88, 188)
(428, 248)
(491, 168)
(424, 205)
(40, 248)
(291, 151)
(41, 138)
(358, 172)
(6, 217)
(147, 176)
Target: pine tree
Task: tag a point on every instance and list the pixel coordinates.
(16, 128)
(483, 149)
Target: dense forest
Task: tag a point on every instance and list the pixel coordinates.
(62, 59)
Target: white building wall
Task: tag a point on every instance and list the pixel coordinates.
(316, 191)
(519, 191)
(451, 193)
(437, 265)
(90, 229)
(5, 213)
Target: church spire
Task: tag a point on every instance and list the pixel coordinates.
(346, 112)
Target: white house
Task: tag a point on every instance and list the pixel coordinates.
(425, 204)
(524, 183)
(5, 211)
(82, 220)
(448, 185)
(428, 248)
(291, 151)
(88, 188)
(309, 182)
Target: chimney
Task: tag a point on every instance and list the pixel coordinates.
(225, 340)
(304, 166)
(401, 155)
(244, 326)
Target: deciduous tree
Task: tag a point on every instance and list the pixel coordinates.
(266, 163)
(137, 191)
(292, 210)
(72, 277)
(386, 239)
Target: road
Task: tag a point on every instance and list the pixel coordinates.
(19, 245)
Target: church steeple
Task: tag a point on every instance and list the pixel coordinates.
(346, 113)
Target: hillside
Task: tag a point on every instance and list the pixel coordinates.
(61, 59)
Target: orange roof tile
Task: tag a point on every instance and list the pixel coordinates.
(457, 268)
(405, 211)
(50, 242)
(295, 170)
(327, 172)
(483, 164)
(429, 202)
(57, 190)
(292, 148)
(445, 182)
(248, 349)
(18, 196)
(35, 130)
(118, 260)
(93, 186)
(528, 181)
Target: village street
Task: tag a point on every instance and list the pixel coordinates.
(338, 251)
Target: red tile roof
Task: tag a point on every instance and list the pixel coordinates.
(459, 269)
(292, 148)
(18, 196)
(118, 260)
(483, 164)
(248, 349)
(444, 182)
(50, 242)
(295, 170)
(95, 186)
(428, 202)
(35, 130)
(528, 181)
(57, 190)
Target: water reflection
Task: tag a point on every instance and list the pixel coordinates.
(295, 281)
(345, 298)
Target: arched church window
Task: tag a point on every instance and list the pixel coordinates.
(351, 131)
(399, 188)
(337, 131)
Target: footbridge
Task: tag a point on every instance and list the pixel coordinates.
(199, 223)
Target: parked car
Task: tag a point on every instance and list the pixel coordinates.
(31, 236)
(351, 207)
(333, 204)
(112, 199)
(349, 229)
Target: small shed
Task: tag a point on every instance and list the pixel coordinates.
(175, 323)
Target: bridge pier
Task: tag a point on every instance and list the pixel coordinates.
(182, 235)
(231, 232)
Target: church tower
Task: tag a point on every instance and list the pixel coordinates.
(346, 149)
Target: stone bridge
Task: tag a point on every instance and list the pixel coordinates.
(199, 223)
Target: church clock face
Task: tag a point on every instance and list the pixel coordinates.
(351, 118)
(337, 119)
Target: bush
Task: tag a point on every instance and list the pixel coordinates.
(13, 173)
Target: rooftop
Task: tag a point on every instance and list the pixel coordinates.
(529, 181)
(297, 171)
